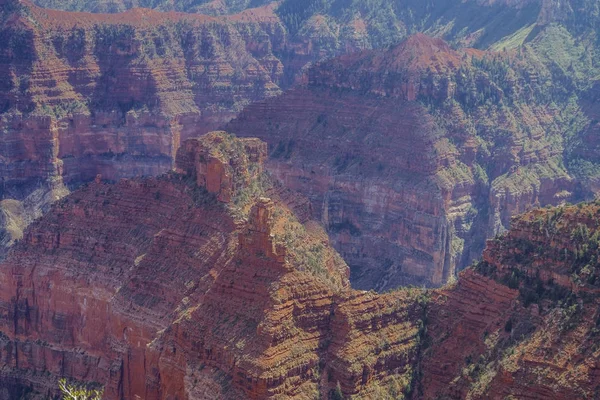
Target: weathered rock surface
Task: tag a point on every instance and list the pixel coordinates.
(413, 156)
(83, 94)
(116, 94)
(524, 322)
(208, 160)
(209, 7)
(156, 289)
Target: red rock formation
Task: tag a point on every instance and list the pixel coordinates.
(398, 72)
(412, 156)
(209, 161)
(86, 94)
(523, 323)
(154, 288)
(124, 90)
(328, 175)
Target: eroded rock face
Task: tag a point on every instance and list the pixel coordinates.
(123, 91)
(89, 94)
(351, 199)
(209, 7)
(155, 288)
(221, 164)
(523, 323)
(413, 156)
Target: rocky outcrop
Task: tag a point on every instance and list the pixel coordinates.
(117, 94)
(222, 165)
(397, 73)
(208, 7)
(83, 95)
(154, 288)
(329, 176)
(413, 156)
(523, 322)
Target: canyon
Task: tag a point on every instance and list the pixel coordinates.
(86, 94)
(115, 95)
(208, 7)
(413, 156)
(524, 321)
(196, 284)
(302, 199)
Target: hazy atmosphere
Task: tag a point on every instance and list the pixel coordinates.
(299, 199)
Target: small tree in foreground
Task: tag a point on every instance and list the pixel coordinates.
(72, 392)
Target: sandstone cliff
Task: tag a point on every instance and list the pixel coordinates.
(83, 95)
(195, 285)
(413, 156)
(88, 94)
(208, 7)
(154, 288)
(524, 321)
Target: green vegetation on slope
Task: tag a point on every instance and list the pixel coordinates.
(389, 21)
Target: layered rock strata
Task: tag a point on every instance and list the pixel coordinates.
(172, 288)
(83, 94)
(116, 94)
(155, 289)
(524, 322)
(413, 156)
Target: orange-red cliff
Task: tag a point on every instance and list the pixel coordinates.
(154, 288)
(175, 288)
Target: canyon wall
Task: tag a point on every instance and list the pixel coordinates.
(524, 321)
(115, 95)
(161, 288)
(91, 94)
(413, 156)
(207, 7)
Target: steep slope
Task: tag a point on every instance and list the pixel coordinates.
(477, 23)
(115, 94)
(195, 285)
(326, 28)
(380, 23)
(88, 94)
(413, 156)
(524, 322)
(209, 7)
(167, 288)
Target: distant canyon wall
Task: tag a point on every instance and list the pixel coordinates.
(413, 156)
(85, 94)
(114, 95)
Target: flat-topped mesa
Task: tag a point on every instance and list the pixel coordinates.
(221, 163)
